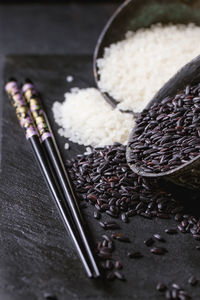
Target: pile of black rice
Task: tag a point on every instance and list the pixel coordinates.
(104, 180)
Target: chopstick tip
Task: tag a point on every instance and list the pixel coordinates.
(96, 274)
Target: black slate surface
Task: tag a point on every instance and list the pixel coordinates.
(36, 254)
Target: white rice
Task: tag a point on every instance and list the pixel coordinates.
(69, 78)
(66, 146)
(85, 118)
(131, 71)
(88, 150)
(134, 69)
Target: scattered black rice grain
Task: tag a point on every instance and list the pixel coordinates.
(104, 251)
(109, 225)
(102, 224)
(196, 237)
(175, 292)
(105, 237)
(149, 242)
(104, 255)
(112, 225)
(171, 231)
(161, 287)
(168, 295)
(183, 295)
(119, 275)
(109, 264)
(118, 265)
(176, 286)
(159, 237)
(192, 280)
(181, 229)
(178, 217)
(158, 250)
(120, 237)
(135, 255)
(198, 248)
(49, 296)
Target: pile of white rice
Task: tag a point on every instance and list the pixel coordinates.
(86, 118)
(131, 71)
(134, 69)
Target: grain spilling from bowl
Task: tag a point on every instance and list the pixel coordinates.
(134, 69)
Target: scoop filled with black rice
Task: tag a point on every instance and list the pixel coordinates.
(167, 135)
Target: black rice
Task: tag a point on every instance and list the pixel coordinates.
(192, 280)
(173, 136)
(135, 255)
(149, 242)
(123, 194)
(161, 287)
(171, 231)
(159, 237)
(108, 184)
(158, 250)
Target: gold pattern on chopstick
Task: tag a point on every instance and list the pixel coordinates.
(37, 112)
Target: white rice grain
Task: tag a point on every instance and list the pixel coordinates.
(134, 69)
(85, 118)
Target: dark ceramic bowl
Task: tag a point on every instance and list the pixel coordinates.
(188, 174)
(135, 14)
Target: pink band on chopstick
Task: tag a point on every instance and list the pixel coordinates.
(21, 108)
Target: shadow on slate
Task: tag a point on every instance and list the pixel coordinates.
(36, 254)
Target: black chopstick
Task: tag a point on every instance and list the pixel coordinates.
(26, 122)
(48, 140)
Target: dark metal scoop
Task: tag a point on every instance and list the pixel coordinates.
(135, 14)
(188, 174)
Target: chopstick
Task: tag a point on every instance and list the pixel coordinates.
(48, 141)
(24, 117)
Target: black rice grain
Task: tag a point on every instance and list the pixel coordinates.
(168, 295)
(158, 250)
(149, 242)
(171, 231)
(120, 237)
(49, 296)
(119, 275)
(176, 286)
(174, 135)
(159, 237)
(118, 265)
(192, 280)
(135, 255)
(161, 287)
